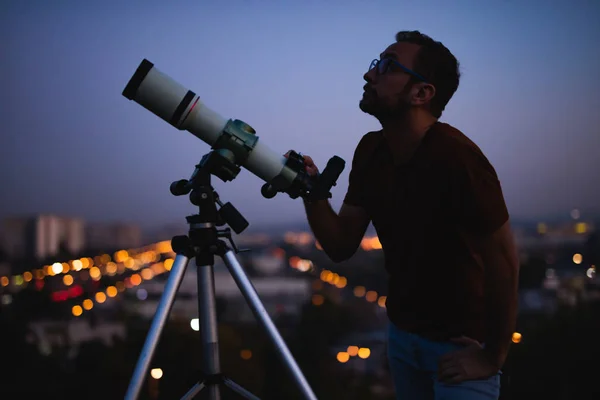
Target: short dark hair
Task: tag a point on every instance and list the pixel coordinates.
(437, 65)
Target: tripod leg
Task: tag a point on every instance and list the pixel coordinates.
(160, 318)
(197, 388)
(207, 312)
(247, 289)
(239, 389)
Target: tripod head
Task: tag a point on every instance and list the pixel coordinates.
(203, 225)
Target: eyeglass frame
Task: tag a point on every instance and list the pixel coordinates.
(376, 62)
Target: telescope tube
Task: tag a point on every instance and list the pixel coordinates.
(183, 109)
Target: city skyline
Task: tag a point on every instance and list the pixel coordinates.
(75, 146)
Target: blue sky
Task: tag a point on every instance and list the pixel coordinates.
(72, 144)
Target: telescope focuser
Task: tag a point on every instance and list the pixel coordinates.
(310, 188)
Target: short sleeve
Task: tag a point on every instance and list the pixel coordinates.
(477, 194)
(355, 195)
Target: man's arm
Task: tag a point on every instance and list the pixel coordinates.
(485, 219)
(338, 234)
(501, 270)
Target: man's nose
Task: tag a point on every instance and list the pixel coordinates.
(370, 75)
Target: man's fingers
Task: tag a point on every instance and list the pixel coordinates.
(453, 380)
(307, 159)
(450, 357)
(448, 362)
(312, 171)
(450, 374)
(309, 164)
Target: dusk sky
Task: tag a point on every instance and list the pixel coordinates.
(72, 145)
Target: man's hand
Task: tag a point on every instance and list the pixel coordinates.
(469, 363)
(309, 164)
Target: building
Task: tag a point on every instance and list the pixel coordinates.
(42, 236)
(113, 236)
(51, 335)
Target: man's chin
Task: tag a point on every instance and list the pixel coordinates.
(366, 107)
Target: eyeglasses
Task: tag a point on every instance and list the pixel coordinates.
(384, 64)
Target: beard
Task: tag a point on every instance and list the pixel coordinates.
(383, 109)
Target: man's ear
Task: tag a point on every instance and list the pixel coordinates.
(423, 93)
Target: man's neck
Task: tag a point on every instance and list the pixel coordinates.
(404, 135)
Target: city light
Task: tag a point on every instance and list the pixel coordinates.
(111, 291)
(136, 259)
(343, 357)
(68, 280)
(318, 299)
(371, 296)
(195, 324)
(304, 265)
(591, 272)
(164, 247)
(77, 265)
(371, 243)
(147, 274)
(85, 263)
(156, 373)
(516, 337)
(542, 228)
(364, 352)
(341, 282)
(57, 268)
(121, 255)
(353, 350)
(111, 268)
(100, 297)
(135, 279)
(246, 354)
(577, 258)
(88, 304)
(95, 273)
(141, 294)
(580, 228)
(359, 291)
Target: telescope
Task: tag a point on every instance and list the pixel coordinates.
(234, 142)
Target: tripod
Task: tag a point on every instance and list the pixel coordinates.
(203, 243)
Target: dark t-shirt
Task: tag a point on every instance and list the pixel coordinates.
(422, 211)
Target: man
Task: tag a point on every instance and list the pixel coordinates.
(439, 212)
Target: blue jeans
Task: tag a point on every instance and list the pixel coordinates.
(414, 365)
